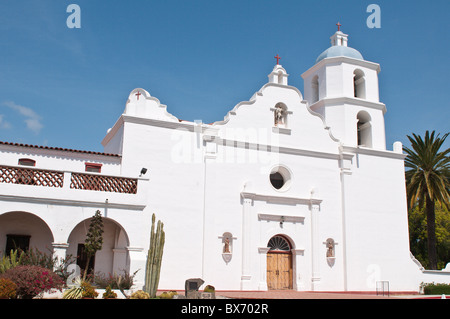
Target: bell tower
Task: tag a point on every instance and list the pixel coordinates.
(343, 88)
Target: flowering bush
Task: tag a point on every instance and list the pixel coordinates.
(7, 288)
(33, 280)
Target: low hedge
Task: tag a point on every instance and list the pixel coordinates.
(436, 289)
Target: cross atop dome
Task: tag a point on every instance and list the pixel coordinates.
(339, 47)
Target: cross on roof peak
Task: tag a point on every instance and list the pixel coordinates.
(278, 59)
(138, 94)
(339, 25)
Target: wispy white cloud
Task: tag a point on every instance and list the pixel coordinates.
(4, 124)
(32, 119)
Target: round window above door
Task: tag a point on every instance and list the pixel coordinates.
(280, 178)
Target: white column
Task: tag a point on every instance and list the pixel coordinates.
(315, 247)
(119, 260)
(67, 180)
(60, 252)
(246, 237)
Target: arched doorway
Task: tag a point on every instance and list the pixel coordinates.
(279, 263)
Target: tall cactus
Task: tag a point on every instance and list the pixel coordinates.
(154, 258)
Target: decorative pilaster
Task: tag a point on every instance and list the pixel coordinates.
(315, 247)
(346, 164)
(263, 273)
(246, 237)
(297, 254)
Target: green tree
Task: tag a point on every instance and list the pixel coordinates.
(94, 239)
(418, 235)
(428, 182)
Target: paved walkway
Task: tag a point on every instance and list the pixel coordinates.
(290, 294)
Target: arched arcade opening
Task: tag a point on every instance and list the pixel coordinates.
(113, 258)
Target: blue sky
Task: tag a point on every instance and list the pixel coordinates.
(65, 87)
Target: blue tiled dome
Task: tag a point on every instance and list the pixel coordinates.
(335, 51)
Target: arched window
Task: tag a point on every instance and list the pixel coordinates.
(359, 85)
(315, 89)
(364, 129)
(279, 243)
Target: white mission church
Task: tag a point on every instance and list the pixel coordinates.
(289, 191)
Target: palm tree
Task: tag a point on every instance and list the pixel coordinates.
(428, 181)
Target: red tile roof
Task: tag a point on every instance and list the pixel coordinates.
(58, 149)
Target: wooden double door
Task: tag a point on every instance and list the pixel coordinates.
(279, 270)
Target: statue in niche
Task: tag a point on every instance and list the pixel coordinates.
(279, 115)
(330, 247)
(226, 248)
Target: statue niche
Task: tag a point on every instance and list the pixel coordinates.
(330, 245)
(227, 246)
(280, 115)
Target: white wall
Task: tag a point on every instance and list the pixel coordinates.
(377, 225)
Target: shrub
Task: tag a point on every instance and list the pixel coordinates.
(165, 295)
(33, 280)
(115, 281)
(88, 290)
(74, 291)
(436, 289)
(7, 288)
(209, 288)
(62, 267)
(140, 294)
(10, 261)
(109, 294)
(168, 294)
(34, 257)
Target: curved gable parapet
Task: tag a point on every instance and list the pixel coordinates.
(298, 127)
(253, 99)
(227, 117)
(141, 104)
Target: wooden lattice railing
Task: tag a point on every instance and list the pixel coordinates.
(48, 178)
(103, 183)
(27, 176)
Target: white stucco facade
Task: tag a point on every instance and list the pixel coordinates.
(210, 184)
